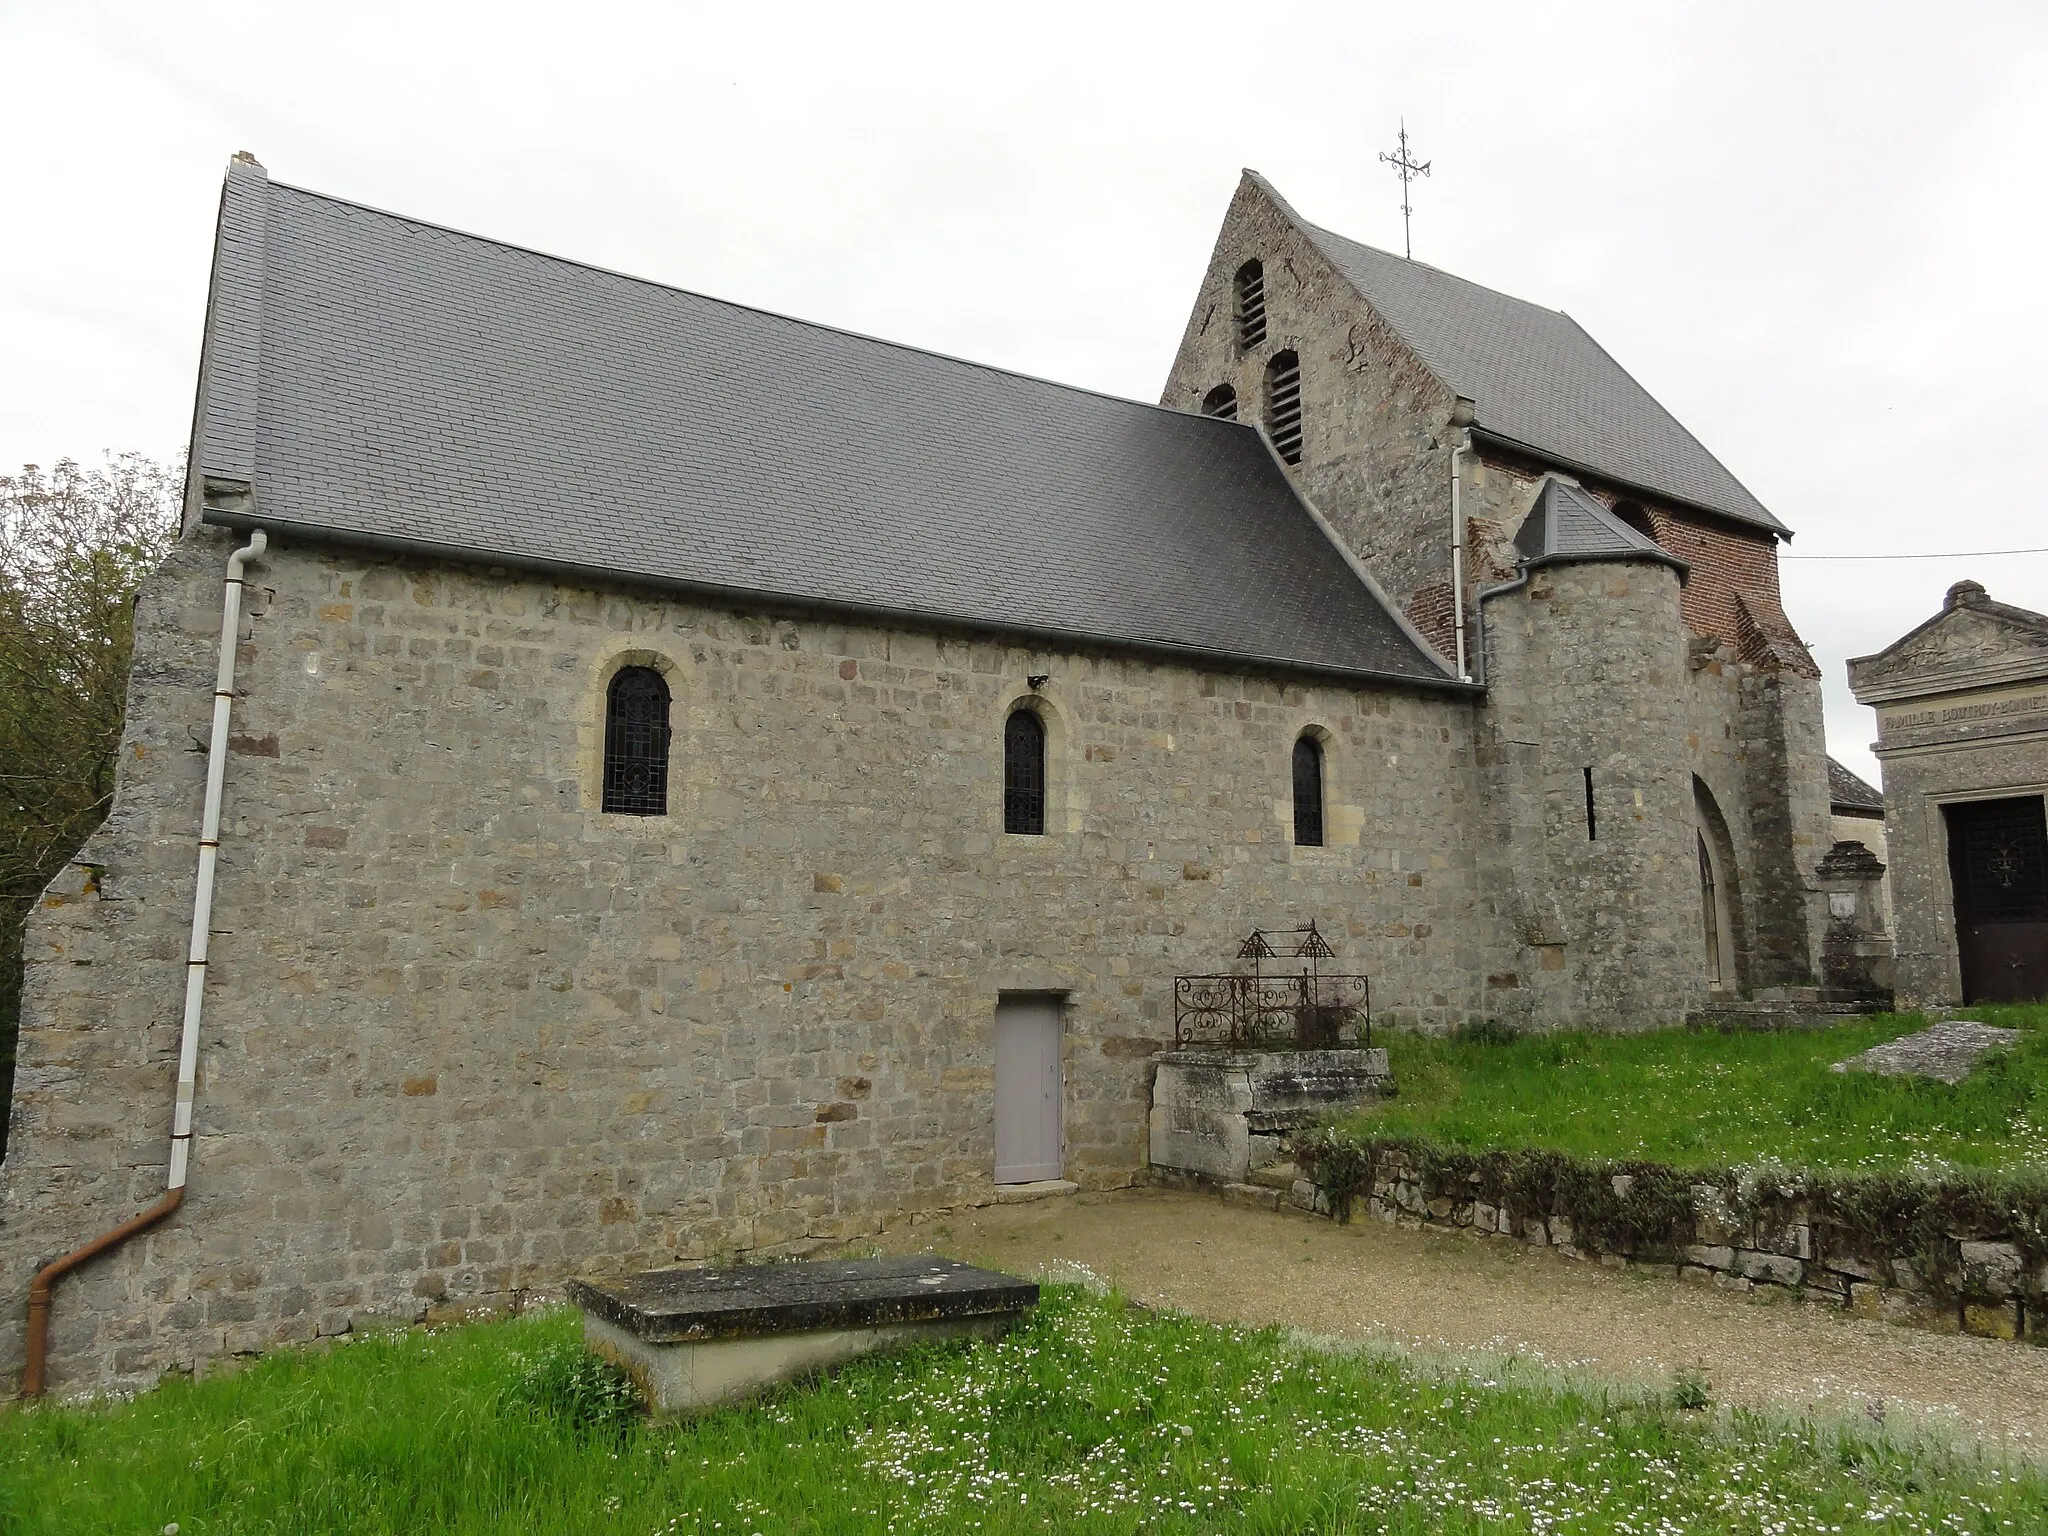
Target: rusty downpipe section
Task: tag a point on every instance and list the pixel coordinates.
(47, 1277)
(34, 1372)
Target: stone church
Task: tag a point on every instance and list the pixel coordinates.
(680, 781)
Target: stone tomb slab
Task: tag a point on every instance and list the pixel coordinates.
(693, 1339)
(1944, 1052)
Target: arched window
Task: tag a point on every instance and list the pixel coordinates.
(1283, 405)
(636, 743)
(1024, 773)
(1220, 402)
(1251, 305)
(1308, 792)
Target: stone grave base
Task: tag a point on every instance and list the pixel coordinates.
(693, 1339)
(1220, 1114)
(685, 1378)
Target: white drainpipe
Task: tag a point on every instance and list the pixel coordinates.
(1461, 418)
(41, 1288)
(209, 854)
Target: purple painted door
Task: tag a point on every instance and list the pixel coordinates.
(1027, 1088)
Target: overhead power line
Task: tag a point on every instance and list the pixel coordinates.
(1960, 554)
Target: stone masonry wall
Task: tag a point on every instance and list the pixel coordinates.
(1787, 802)
(1586, 671)
(467, 1036)
(1376, 435)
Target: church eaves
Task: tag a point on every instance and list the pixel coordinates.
(381, 381)
(1538, 381)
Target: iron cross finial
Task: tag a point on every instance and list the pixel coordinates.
(1407, 169)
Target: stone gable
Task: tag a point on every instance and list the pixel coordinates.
(1973, 642)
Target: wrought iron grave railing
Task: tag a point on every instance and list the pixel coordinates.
(1281, 1000)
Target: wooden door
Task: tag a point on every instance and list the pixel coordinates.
(1028, 1032)
(1998, 864)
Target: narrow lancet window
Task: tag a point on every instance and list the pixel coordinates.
(1024, 774)
(1283, 405)
(1220, 402)
(636, 743)
(1251, 305)
(1308, 792)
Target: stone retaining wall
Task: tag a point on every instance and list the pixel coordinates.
(1744, 1239)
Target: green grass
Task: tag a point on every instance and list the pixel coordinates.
(1705, 1099)
(1093, 1417)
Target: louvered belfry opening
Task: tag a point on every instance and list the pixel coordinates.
(1283, 405)
(636, 743)
(1220, 402)
(1251, 305)
(1308, 792)
(1024, 774)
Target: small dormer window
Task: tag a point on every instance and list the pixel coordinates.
(1251, 305)
(1220, 402)
(1283, 405)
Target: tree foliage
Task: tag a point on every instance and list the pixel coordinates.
(75, 545)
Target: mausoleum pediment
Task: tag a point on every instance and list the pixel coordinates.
(1974, 642)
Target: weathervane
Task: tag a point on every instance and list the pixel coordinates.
(1407, 170)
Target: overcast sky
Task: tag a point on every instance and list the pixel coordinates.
(1814, 231)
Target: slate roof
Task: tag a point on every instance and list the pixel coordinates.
(1847, 792)
(385, 381)
(1567, 524)
(1537, 379)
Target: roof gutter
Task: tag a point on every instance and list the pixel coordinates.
(39, 1291)
(782, 602)
(1548, 456)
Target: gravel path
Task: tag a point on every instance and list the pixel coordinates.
(1447, 1291)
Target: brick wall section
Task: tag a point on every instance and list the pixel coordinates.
(466, 1035)
(1732, 592)
(1429, 610)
